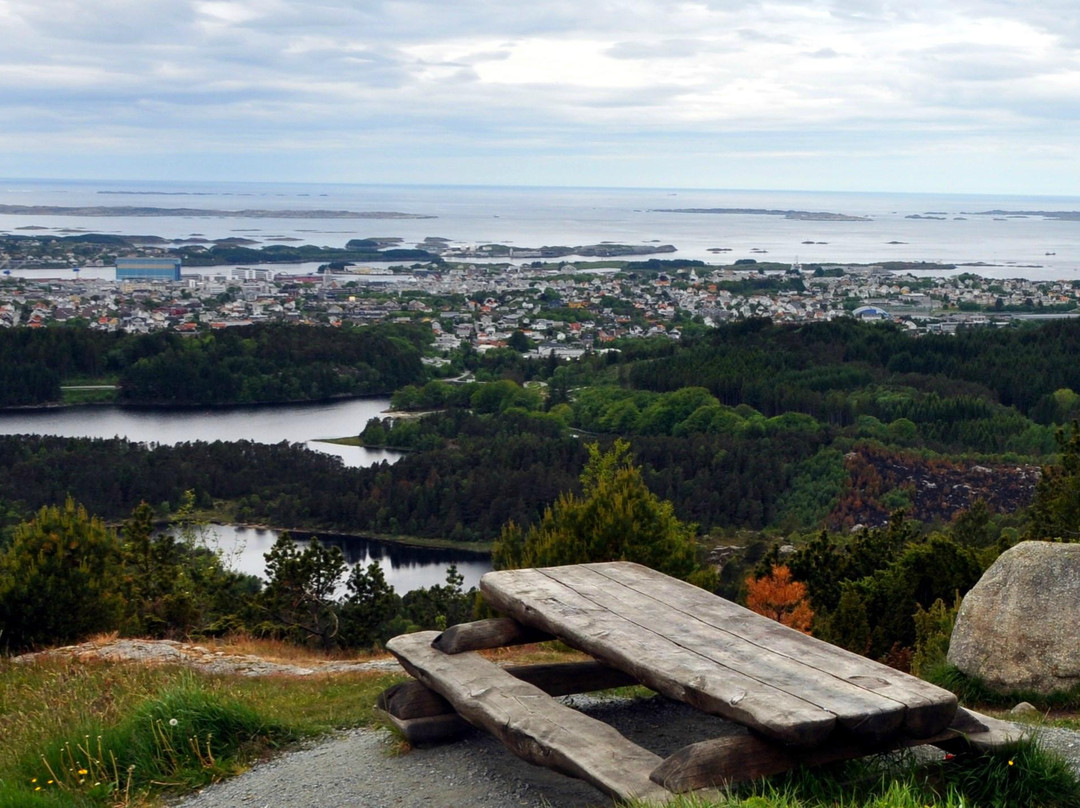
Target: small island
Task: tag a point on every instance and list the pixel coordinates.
(1060, 215)
(798, 215)
(603, 250)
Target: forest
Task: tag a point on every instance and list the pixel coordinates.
(786, 428)
(895, 466)
(264, 363)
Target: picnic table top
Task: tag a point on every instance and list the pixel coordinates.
(698, 648)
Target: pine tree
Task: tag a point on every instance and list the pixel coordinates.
(60, 579)
(849, 625)
(368, 607)
(616, 518)
(298, 601)
(1055, 513)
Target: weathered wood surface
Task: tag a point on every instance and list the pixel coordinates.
(419, 713)
(698, 648)
(928, 708)
(529, 722)
(734, 759)
(982, 732)
(497, 632)
(412, 700)
(738, 758)
(430, 729)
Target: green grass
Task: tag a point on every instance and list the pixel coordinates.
(972, 690)
(77, 397)
(130, 735)
(1021, 777)
(90, 734)
(353, 441)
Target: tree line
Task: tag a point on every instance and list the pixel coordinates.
(778, 368)
(245, 364)
(65, 575)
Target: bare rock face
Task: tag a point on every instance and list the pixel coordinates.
(1019, 626)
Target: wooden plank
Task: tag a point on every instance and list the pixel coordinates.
(929, 709)
(967, 721)
(497, 632)
(737, 758)
(430, 729)
(409, 700)
(655, 660)
(531, 724)
(864, 713)
(994, 734)
(413, 699)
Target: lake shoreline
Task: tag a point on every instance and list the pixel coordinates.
(478, 549)
(166, 406)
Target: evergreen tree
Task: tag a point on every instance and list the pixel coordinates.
(616, 518)
(441, 605)
(61, 579)
(298, 601)
(1055, 513)
(368, 607)
(849, 626)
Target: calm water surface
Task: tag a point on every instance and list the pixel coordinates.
(405, 568)
(951, 230)
(306, 423)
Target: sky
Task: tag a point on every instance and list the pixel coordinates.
(970, 96)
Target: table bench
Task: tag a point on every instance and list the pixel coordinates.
(805, 701)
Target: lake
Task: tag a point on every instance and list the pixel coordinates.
(406, 568)
(309, 424)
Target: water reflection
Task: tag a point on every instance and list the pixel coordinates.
(297, 423)
(406, 568)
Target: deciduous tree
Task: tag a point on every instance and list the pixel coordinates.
(779, 597)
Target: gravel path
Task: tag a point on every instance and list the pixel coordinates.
(360, 769)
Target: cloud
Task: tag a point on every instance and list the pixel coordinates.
(383, 77)
(664, 49)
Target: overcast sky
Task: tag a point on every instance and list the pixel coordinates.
(877, 95)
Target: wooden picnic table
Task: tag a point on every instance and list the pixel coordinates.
(805, 701)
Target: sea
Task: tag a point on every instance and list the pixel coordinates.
(993, 236)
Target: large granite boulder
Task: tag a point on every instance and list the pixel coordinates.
(1019, 626)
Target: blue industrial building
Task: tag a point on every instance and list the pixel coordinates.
(148, 269)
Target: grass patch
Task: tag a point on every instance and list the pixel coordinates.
(1009, 778)
(88, 734)
(972, 690)
(353, 441)
(77, 397)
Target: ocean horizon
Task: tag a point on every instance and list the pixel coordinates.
(870, 227)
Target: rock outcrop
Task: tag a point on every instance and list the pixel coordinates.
(1019, 627)
(170, 652)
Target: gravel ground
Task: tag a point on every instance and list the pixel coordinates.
(360, 769)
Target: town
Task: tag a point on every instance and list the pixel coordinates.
(542, 307)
